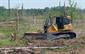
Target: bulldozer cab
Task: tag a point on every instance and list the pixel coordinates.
(61, 21)
(57, 23)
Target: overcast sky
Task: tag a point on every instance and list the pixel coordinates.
(39, 3)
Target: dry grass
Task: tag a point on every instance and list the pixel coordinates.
(74, 46)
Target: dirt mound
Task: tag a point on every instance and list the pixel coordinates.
(46, 43)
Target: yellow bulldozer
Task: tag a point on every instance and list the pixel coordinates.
(58, 24)
(54, 28)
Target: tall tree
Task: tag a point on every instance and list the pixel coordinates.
(72, 9)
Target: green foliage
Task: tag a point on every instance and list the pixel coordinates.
(72, 10)
(7, 42)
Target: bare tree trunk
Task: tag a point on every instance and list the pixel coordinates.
(17, 22)
(9, 7)
(34, 20)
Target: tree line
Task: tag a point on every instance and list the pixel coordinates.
(70, 10)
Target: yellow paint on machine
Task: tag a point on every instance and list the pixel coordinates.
(68, 27)
(52, 28)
